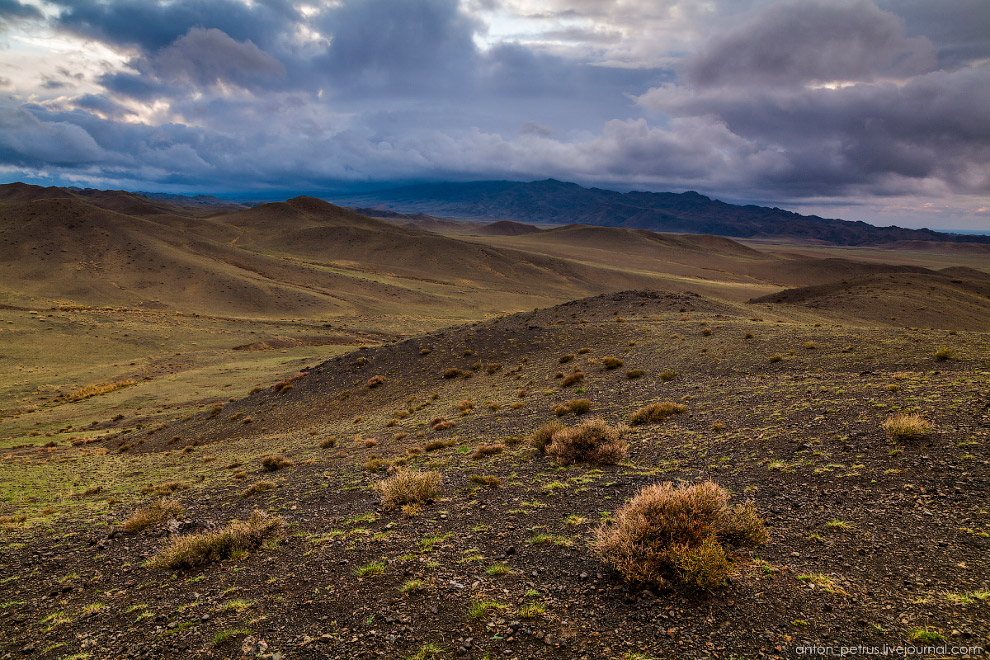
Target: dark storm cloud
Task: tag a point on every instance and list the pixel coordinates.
(932, 125)
(957, 28)
(427, 44)
(154, 24)
(12, 9)
(811, 41)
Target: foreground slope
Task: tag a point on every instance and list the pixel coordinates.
(871, 540)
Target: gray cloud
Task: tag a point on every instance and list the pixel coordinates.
(811, 41)
(12, 9)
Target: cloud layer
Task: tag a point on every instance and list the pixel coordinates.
(878, 106)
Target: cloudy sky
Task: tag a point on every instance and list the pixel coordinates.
(875, 110)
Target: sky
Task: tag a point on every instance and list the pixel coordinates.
(874, 110)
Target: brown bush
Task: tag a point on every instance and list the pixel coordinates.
(375, 381)
(572, 379)
(635, 373)
(611, 362)
(198, 549)
(541, 437)
(593, 441)
(409, 487)
(656, 412)
(564, 359)
(159, 511)
(273, 463)
(907, 427)
(493, 367)
(487, 450)
(667, 532)
(576, 406)
(260, 487)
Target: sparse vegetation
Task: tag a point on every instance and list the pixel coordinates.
(611, 362)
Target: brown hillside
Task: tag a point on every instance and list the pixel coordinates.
(898, 299)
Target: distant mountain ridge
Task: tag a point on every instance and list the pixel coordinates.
(558, 202)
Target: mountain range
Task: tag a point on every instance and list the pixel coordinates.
(557, 202)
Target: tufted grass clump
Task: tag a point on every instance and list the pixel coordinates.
(409, 487)
(594, 441)
(656, 412)
(907, 427)
(194, 550)
(666, 532)
(159, 511)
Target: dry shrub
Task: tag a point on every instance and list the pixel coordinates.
(656, 412)
(452, 373)
(329, 443)
(489, 480)
(375, 381)
(434, 445)
(199, 549)
(442, 424)
(96, 390)
(907, 427)
(667, 532)
(944, 353)
(425, 351)
(572, 379)
(564, 359)
(408, 487)
(541, 437)
(667, 375)
(161, 510)
(465, 406)
(166, 488)
(611, 362)
(632, 374)
(273, 463)
(593, 441)
(493, 367)
(487, 450)
(576, 406)
(260, 487)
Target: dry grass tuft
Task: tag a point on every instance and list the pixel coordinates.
(375, 381)
(907, 427)
(273, 463)
(593, 441)
(572, 379)
(541, 437)
(260, 487)
(198, 549)
(576, 406)
(487, 450)
(656, 412)
(161, 510)
(677, 532)
(611, 362)
(96, 390)
(409, 487)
